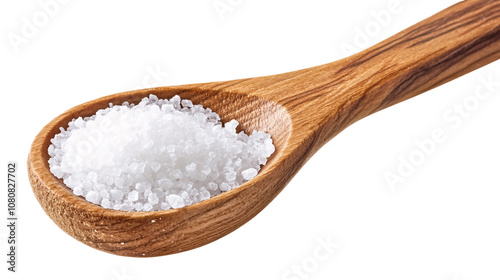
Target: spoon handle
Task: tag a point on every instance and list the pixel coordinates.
(451, 43)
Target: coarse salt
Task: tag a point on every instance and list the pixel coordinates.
(156, 155)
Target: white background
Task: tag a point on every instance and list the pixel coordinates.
(442, 222)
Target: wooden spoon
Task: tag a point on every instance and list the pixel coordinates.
(302, 110)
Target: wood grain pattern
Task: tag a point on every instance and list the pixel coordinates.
(302, 110)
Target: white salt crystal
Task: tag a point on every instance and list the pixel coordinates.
(57, 171)
(116, 195)
(249, 173)
(138, 206)
(231, 126)
(78, 191)
(127, 207)
(155, 166)
(142, 186)
(204, 194)
(205, 172)
(175, 201)
(159, 193)
(118, 181)
(184, 194)
(224, 187)
(92, 176)
(269, 146)
(88, 185)
(153, 199)
(165, 183)
(133, 196)
(187, 103)
(106, 203)
(80, 123)
(153, 98)
(230, 175)
(212, 186)
(171, 148)
(92, 196)
(156, 155)
(148, 207)
(104, 194)
(164, 206)
(191, 167)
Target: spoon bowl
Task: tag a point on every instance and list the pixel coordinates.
(302, 110)
(169, 231)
